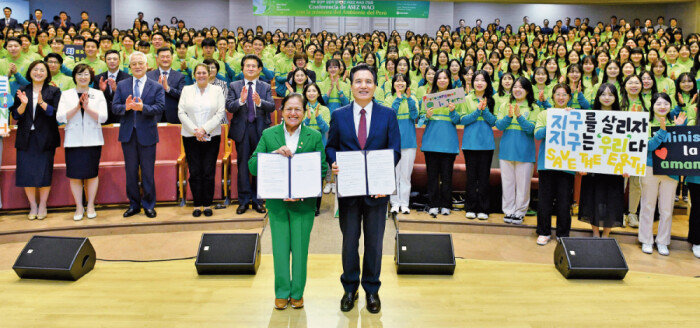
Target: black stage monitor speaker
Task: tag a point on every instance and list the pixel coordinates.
(590, 258)
(55, 258)
(418, 253)
(235, 253)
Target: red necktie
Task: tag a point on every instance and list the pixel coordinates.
(362, 133)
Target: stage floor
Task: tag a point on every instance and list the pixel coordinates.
(481, 293)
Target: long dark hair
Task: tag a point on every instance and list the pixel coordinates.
(679, 92)
(488, 92)
(525, 84)
(398, 76)
(320, 95)
(435, 78)
(656, 97)
(625, 102)
(603, 87)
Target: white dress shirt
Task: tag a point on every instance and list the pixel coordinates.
(292, 140)
(35, 101)
(142, 84)
(356, 116)
(113, 75)
(245, 82)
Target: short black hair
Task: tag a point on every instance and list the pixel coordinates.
(164, 49)
(8, 8)
(210, 61)
(54, 56)
(28, 76)
(12, 38)
(208, 42)
(80, 68)
(97, 44)
(112, 51)
(253, 57)
(363, 67)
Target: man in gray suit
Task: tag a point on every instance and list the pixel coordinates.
(172, 82)
(250, 101)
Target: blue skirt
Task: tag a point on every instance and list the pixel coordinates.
(34, 165)
(83, 162)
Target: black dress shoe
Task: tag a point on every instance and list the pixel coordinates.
(150, 213)
(348, 301)
(131, 212)
(208, 212)
(259, 208)
(242, 208)
(197, 213)
(318, 212)
(374, 305)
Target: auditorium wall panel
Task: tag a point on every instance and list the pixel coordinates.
(97, 9)
(197, 14)
(20, 9)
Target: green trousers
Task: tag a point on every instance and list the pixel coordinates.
(291, 228)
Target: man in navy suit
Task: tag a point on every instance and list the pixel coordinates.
(250, 101)
(362, 125)
(140, 103)
(8, 21)
(172, 82)
(107, 81)
(39, 20)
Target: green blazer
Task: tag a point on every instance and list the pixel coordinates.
(272, 139)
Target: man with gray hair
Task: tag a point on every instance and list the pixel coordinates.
(139, 102)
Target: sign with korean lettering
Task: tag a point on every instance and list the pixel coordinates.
(597, 141)
(77, 52)
(6, 100)
(678, 153)
(444, 98)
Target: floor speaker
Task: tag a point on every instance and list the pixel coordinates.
(590, 258)
(235, 253)
(55, 258)
(424, 254)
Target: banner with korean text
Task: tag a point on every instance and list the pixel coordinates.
(597, 141)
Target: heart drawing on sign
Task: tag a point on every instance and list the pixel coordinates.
(661, 153)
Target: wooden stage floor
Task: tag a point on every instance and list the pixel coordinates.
(480, 294)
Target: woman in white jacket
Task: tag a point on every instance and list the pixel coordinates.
(201, 109)
(83, 110)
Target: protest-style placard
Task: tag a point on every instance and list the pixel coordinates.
(678, 154)
(444, 98)
(5, 102)
(595, 141)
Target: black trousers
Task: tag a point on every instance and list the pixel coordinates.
(247, 184)
(439, 167)
(201, 162)
(478, 173)
(555, 191)
(694, 218)
(139, 157)
(357, 215)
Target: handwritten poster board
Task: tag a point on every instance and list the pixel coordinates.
(678, 154)
(597, 141)
(6, 100)
(442, 99)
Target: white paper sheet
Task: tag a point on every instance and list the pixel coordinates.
(306, 175)
(381, 177)
(351, 179)
(273, 176)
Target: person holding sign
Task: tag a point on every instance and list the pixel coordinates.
(405, 106)
(658, 188)
(631, 100)
(478, 145)
(440, 146)
(603, 195)
(517, 118)
(553, 184)
(377, 128)
(291, 220)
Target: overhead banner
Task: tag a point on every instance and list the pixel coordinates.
(352, 8)
(678, 154)
(597, 141)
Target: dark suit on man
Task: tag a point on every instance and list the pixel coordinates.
(176, 81)
(12, 23)
(109, 94)
(364, 212)
(246, 134)
(138, 133)
(42, 24)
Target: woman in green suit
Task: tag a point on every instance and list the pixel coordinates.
(291, 220)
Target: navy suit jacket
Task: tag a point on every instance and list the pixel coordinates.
(176, 81)
(145, 122)
(383, 134)
(12, 24)
(109, 94)
(240, 113)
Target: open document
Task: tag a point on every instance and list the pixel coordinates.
(366, 173)
(296, 177)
